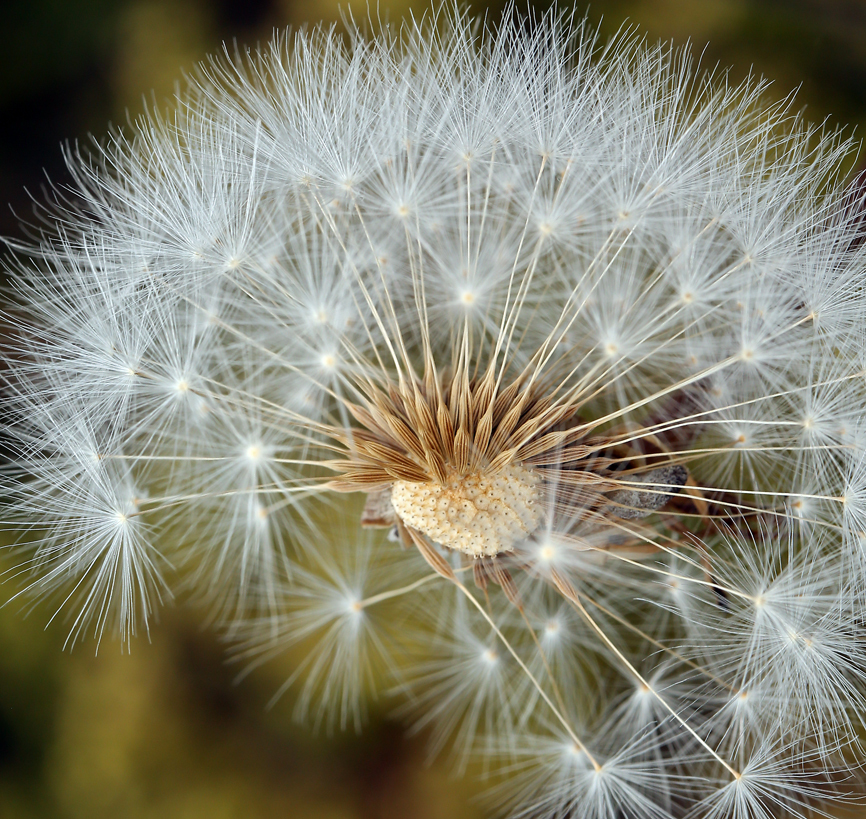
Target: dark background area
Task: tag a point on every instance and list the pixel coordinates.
(164, 731)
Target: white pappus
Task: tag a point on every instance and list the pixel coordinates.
(570, 330)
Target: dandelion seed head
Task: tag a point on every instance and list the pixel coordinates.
(514, 373)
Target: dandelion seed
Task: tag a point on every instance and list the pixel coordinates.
(512, 373)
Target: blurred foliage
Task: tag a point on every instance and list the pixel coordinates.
(164, 731)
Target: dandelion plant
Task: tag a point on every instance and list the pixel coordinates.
(517, 374)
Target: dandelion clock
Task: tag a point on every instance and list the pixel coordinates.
(517, 375)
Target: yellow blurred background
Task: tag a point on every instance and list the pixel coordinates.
(164, 731)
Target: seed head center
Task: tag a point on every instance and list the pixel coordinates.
(479, 514)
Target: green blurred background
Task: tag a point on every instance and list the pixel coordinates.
(165, 731)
